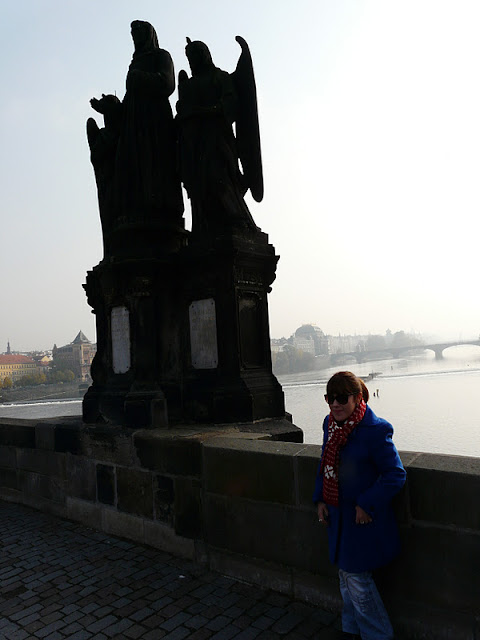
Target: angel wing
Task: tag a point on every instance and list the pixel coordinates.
(247, 129)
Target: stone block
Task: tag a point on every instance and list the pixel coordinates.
(10, 495)
(87, 513)
(415, 620)
(307, 465)
(17, 433)
(165, 454)
(320, 590)
(47, 463)
(164, 496)
(135, 492)
(407, 457)
(68, 437)
(8, 478)
(307, 543)
(263, 471)
(445, 490)
(163, 537)
(106, 484)
(123, 525)
(188, 507)
(8, 457)
(252, 570)
(58, 509)
(438, 567)
(36, 485)
(108, 444)
(273, 532)
(45, 436)
(81, 475)
(401, 504)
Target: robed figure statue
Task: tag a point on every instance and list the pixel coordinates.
(138, 171)
(210, 101)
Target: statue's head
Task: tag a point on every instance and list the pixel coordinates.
(144, 36)
(199, 56)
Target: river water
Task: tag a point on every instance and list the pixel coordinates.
(434, 405)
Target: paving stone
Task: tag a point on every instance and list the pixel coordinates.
(23, 613)
(52, 617)
(120, 602)
(56, 635)
(177, 620)
(154, 634)
(139, 615)
(178, 634)
(21, 634)
(116, 630)
(275, 612)
(66, 581)
(196, 622)
(49, 628)
(287, 623)
(263, 622)
(243, 622)
(201, 634)
(226, 633)
(99, 625)
(135, 632)
(248, 634)
(153, 622)
(72, 628)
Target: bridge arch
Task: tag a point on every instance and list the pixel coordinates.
(446, 347)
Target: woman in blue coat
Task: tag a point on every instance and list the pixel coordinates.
(359, 473)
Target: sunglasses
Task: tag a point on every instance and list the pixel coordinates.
(341, 398)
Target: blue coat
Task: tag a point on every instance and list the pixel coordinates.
(370, 474)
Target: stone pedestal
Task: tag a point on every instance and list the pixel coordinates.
(138, 350)
(228, 374)
(185, 337)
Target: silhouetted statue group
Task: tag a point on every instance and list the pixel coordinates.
(143, 154)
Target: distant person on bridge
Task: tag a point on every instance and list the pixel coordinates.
(359, 473)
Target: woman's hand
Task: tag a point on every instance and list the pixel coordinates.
(322, 511)
(361, 516)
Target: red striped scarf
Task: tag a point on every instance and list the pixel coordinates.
(337, 438)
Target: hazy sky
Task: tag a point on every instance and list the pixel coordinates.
(369, 117)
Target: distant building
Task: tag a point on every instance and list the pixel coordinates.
(76, 356)
(43, 363)
(343, 344)
(305, 344)
(15, 367)
(277, 344)
(310, 339)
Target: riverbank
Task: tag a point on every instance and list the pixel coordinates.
(58, 391)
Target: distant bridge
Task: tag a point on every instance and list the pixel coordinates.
(396, 352)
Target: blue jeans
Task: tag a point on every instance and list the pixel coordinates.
(363, 610)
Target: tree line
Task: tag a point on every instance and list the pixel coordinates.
(36, 379)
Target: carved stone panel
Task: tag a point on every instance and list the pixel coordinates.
(120, 339)
(203, 334)
(250, 323)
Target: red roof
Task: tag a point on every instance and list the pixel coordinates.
(16, 360)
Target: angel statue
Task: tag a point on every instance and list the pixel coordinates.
(208, 104)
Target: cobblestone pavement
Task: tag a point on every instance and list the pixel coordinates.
(59, 579)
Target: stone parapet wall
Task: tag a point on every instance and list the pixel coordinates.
(242, 504)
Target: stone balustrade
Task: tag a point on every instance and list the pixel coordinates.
(242, 504)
